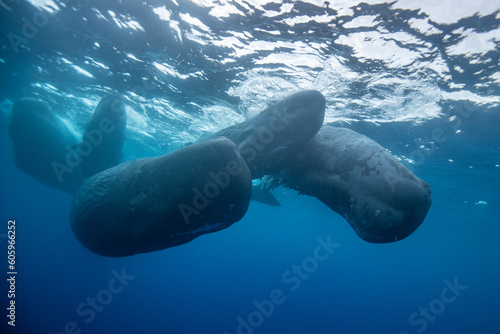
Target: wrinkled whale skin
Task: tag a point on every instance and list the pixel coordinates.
(266, 138)
(135, 207)
(356, 177)
(41, 141)
(107, 151)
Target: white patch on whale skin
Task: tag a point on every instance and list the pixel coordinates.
(202, 230)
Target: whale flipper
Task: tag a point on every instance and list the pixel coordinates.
(262, 193)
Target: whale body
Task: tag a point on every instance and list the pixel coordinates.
(356, 177)
(151, 204)
(43, 146)
(279, 129)
(353, 175)
(47, 150)
(104, 136)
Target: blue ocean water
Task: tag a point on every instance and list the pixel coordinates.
(421, 78)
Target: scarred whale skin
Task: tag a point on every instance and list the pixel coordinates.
(356, 177)
(267, 137)
(42, 146)
(151, 204)
(104, 135)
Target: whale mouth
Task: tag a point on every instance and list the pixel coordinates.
(379, 235)
(206, 228)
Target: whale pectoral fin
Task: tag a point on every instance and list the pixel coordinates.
(262, 193)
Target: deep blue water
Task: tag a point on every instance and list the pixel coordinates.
(395, 72)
